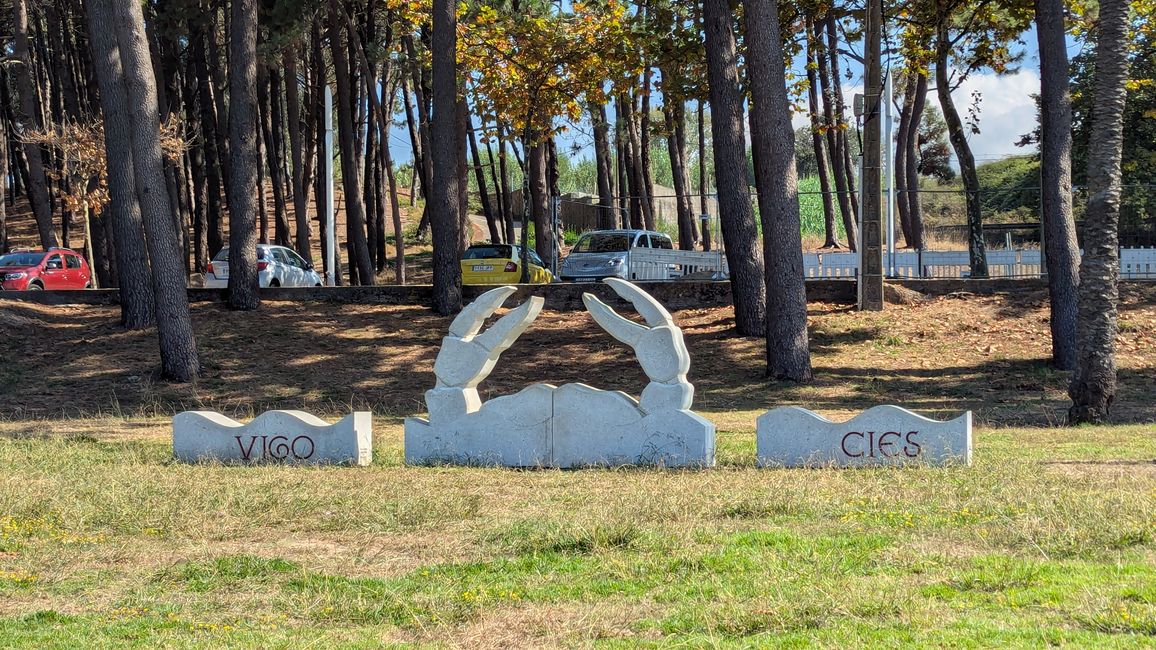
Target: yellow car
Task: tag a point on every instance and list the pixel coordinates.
(501, 264)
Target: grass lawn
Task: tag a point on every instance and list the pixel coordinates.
(1050, 538)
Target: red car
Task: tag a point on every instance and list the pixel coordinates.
(57, 268)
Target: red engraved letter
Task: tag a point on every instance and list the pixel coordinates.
(884, 443)
(907, 450)
(245, 452)
(844, 444)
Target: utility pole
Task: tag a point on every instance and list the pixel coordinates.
(871, 230)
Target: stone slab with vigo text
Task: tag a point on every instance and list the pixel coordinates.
(880, 436)
(286, 437)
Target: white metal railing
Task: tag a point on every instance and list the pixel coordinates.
(664, 264)
(1135, 264)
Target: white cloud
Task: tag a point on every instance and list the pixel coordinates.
(1007, 111)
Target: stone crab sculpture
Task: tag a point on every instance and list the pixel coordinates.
(573, 425)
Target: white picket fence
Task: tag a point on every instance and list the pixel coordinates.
(1135, 264)
(661, 264)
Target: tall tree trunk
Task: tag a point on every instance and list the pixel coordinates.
(735, 215)
(178, 346)
(1062, 250)
(297, 152)
(507, 190)
(976, 247)
(359, 262)
(3, 187)
(641, 214)
(499, 197)
(480, 178)
(214, 163)
(830, 239)
(30, 120)
(540, 201)
(899, 166)
(834, 141)
(604, 171)
(244, 158)
(137, 309)
(773, 145)
(674, 115)
(842, 127)
(1093, 387)
(914, 202)
(267, 105)
(394, 207)
(703, 159)
(444, 152)
(644, 147)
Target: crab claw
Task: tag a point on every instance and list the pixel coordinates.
(658, 345)
(466, 358)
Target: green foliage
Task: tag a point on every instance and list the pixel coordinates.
(1010, 189)
(1138, 156)
(934, 148)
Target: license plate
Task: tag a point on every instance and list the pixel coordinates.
(585, 279)
(483, 267)
(222, 274)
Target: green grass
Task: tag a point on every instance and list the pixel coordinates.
(1050, 538)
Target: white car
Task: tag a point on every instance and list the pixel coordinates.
(277, 266)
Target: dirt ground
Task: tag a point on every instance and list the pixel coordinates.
(985, 353)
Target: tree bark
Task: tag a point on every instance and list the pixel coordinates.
(243, 190)
(674, 115)
(842, 127)
(297, 153)
(507, 191)
(178, 346)
(359, 262)
(704, 201)
(30, 120)
(1093, 387)
(735, 215)
(830, 239)
(902, 204)
(214, 163)
(914, 201)
(270, 123)
(976, 247)
(480, 178)
(540, 202)
(835, 142)
(1059, 227)
(134, 277)
(773, 144)
(604, 170)
(444, 151)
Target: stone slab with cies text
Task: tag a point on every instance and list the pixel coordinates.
(287, 437)
(880, 436)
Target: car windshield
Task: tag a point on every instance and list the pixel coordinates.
(223, 255)
(21, 259)
(496, 252)
(603, 243)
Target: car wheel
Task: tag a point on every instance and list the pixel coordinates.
(317, 285)
(87, 285)
(273, 284)
(35, 286)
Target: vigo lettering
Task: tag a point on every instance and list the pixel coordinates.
(277, 447)
(884, 444)
(300, 454)
(246, 452)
